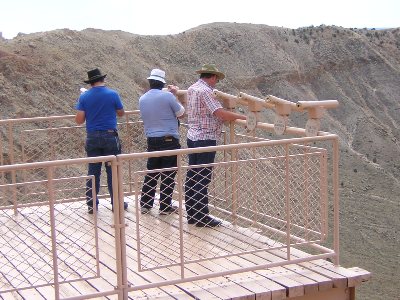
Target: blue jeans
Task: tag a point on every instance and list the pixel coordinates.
(100, 143)
(167, 178)
(197, 180)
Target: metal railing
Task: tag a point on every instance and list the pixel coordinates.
(44, 242)
(270, 195)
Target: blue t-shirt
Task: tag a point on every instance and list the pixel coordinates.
(100, 104)
(157, 110)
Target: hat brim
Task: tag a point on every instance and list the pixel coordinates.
(219, 74)
(95, 78)
(157, 78)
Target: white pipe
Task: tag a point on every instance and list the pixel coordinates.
(254, 99)
(322, 103)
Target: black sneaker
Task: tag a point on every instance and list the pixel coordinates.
(208, 222)
(191, 221)
(169, 210)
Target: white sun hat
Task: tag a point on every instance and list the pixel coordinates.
(157, 74)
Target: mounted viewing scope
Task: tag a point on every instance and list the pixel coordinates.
(316, 110)
(282, 108)
(181, 95)
(228, 100)
(254, 103)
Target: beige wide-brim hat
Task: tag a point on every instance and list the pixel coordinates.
(211, 69)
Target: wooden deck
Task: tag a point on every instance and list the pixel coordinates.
(24, 234)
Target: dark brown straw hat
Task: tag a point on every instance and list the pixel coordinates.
(94, 75)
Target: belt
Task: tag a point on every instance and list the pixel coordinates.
(102, 132)
(166, 138)
(108, 130)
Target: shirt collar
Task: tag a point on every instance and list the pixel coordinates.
(206, 84)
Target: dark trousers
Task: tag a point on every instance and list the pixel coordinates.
(197, 180)
(100, 143)
(167, 177)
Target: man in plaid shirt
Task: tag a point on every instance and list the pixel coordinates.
(205, 119)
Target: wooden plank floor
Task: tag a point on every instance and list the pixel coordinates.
(26, 259)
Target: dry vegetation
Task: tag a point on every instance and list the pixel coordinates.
(40, 74)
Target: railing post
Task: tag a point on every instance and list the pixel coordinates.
(13, 173)
(51, 138)
(119, 221)
(1, 152)
(10, 143)
(324, 195)
(180, 199)
(233, 172)
(50, 187)
(306, 194)
(335, 183)
(130, 149)
(287, 199)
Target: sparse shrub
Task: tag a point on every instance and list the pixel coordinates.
(296, 40)
(355, 170)
(374, 160)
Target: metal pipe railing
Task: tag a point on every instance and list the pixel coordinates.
(125, 175)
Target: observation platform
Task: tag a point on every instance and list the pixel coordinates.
(278, 200)
(25, 242)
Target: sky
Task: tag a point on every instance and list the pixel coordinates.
(156, 17)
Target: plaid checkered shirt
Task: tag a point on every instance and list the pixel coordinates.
(203, 125)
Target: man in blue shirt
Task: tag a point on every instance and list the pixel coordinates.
(159, 111)
(99, 107)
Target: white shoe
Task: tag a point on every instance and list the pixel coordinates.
(145, 210)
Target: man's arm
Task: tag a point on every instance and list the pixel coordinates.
(227, 115)
(181, 112)
(120, 112)
(80, 117)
